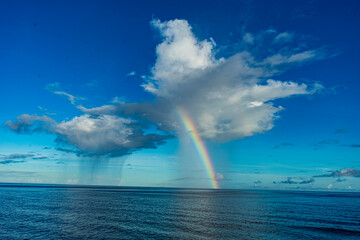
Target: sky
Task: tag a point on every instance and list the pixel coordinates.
(204, 94)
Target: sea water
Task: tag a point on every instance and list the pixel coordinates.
(81, 212)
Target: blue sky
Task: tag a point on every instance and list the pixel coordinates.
(89, 92)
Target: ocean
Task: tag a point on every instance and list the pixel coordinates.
(94, 212)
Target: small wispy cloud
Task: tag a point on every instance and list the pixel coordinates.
(133, 73)
(249, 38)
(56, 89)
(70, 97)
(45, 111)
(52, 86)
(118, 100)
(283, 37)
(280, 59)
(270, 31)
(219, 176)
(92, 84)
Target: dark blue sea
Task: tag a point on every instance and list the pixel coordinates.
(78, 212)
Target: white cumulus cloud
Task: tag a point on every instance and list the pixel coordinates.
(178, 56)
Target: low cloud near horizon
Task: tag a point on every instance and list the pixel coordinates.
(347, 172)
(295, 180)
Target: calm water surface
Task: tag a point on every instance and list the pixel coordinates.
(60, 212)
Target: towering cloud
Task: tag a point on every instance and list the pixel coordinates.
(227, 98)
(179, 57)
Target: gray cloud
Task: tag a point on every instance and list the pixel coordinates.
(67, 150)
(14, 158)
(30, 123)
(347, 172)
(107, 135)
(93, 134)
(294, 180)
(340, 180)
(288, 181)
(10, 161)
(311, 180)
(40, 157)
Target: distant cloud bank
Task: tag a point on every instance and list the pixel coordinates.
(347, 172)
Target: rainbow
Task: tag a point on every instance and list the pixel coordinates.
(199, 145)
